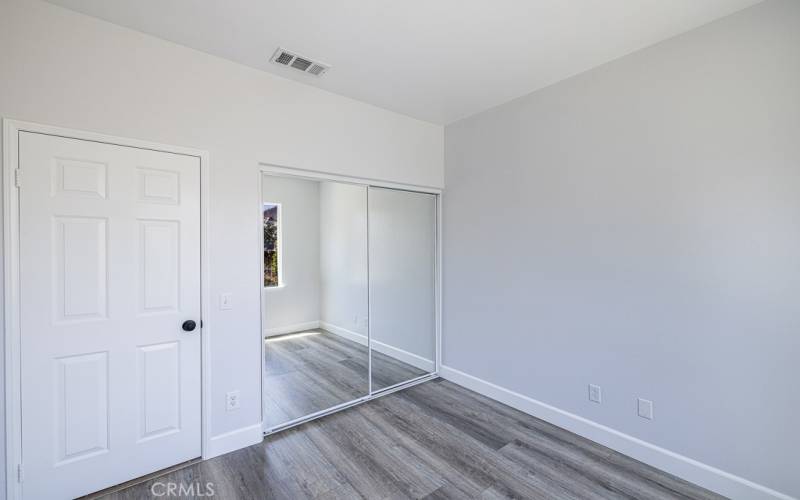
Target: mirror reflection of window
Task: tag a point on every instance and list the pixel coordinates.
(271, 244)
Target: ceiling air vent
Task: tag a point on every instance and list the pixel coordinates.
(284, 57)
(316, 69)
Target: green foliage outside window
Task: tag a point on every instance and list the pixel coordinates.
(271, 277)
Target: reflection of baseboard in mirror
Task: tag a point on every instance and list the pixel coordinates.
(337, 330)
(298, 327)
(426, 365)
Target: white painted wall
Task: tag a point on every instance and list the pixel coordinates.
(61, 68)
(636, 227)
(343, 257)
(297, 300)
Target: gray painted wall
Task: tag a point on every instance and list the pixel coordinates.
(638, 227)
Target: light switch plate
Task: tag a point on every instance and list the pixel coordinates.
(226, 301)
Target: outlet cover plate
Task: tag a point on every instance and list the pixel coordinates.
(595, 393)
(645, 408)
(232, 401)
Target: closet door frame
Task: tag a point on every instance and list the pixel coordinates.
(299, 173)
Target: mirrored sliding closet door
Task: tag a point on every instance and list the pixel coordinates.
(348, 296)
(314, 297)
(402, 279)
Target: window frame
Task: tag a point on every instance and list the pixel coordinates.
(279, 246)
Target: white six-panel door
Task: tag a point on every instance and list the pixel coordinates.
(109, 271)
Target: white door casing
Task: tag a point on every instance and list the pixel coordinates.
(109, 262)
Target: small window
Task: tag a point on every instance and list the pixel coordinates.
(272, 247)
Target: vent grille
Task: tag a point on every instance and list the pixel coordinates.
(284, 58)
(300, 63)
(316, 69)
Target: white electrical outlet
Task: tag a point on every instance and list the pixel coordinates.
(595, 393)
(226, 301)
(232, 401)
(645, 408)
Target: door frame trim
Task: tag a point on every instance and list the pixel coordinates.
(265, 168)
(11, 329)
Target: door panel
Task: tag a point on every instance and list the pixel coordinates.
(159, 269)
(79, 258)
(159, 389)
(402, 275)
(110, 269)
(315, 313)
(82, 406)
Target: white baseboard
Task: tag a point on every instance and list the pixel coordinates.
(299, 327)
(406, 357)
(704, 475)
(234, 440)
(343, 332)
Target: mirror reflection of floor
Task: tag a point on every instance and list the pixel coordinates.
(314, 370)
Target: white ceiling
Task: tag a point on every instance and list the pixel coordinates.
(436, 60)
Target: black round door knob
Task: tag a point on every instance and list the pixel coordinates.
(188, 325)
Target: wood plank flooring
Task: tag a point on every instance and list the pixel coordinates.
(432, 441)
(310, 371)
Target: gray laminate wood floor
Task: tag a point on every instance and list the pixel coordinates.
(434, 440)
(310, 371)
